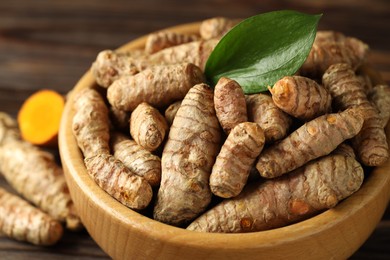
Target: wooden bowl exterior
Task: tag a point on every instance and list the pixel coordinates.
(125, 234)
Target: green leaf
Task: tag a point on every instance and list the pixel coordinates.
(262, 49)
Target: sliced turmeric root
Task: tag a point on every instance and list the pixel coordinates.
(39, 117)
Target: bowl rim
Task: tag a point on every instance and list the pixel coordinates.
(377, 184)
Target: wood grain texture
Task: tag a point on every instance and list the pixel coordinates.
(50, 44)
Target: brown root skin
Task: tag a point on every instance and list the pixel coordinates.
(344, 96)
(34, 174)
(235, 160)
(312, 188)
(365, 82)
(158, 86)
(370, 74)
(117, 180)
(325, 53)
(171, 111)
(329, 36)
(139, 160)
(21, 221)
(314, 139)
(370, 144)
(345, 149)
(301, 97)
(274, 122)
(195, 52)
(229, 102)
(148, 126)
(216, 27)
(119, 118)
(187, 159)
(90, 123)
(379, 96)
(9, 130)
(39, 117)
(110, 65)
(164, 39)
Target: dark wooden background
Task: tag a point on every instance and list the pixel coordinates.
(51, 43)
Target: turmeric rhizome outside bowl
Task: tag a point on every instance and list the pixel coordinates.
(125, 234)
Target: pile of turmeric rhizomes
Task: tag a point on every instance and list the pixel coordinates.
(44, 205)
(222, 161)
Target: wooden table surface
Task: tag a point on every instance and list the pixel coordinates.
(50, 44)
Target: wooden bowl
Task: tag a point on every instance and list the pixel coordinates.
(125, 234)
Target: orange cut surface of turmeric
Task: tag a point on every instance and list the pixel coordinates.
(39, 117)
